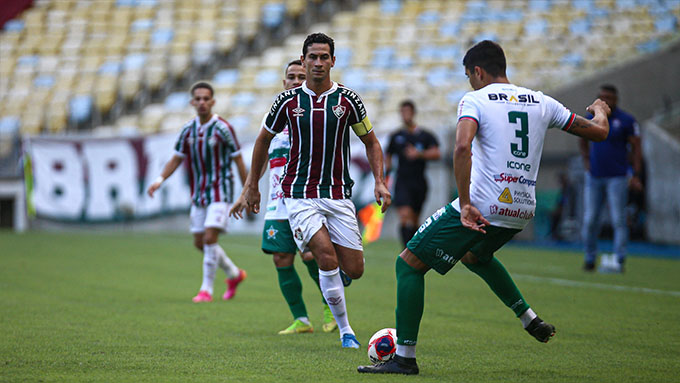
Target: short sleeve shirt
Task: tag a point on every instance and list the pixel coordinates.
(506, 151)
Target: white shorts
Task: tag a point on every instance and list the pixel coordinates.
(306, 216)
(214, 215)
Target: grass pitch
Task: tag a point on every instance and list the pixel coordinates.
(117, 307)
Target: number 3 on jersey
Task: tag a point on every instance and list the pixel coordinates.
(521, 150)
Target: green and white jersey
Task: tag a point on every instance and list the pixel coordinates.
(506, 151)
(208, 150)
(278, 158)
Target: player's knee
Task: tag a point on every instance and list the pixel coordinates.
(307, 256)
(355, 271)
(283, 259)
(327, 260)
(469, 259)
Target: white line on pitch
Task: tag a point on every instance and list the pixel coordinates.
(603, 286)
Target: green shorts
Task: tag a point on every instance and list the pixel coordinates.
(442, 240)
(277, 237)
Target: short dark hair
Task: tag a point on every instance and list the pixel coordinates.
(204, 85)
(408, 103)
(294, 62)
(487, 55)
(318, 38)
(609, 88)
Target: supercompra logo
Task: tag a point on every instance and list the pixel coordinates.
(511, 178)
(512, 213)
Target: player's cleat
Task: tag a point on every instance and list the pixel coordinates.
(540, 330)
(589, 266)
(233, 283)
(396, 365)
(610, 265)
(298, 327)
(329, 323)
(350, 341)
(346, 281)
(202, 296)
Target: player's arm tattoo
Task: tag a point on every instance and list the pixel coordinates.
(580, 124)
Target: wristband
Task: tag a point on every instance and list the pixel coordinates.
(160, 179)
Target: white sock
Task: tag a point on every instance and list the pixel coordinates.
(406, 351)
(334, 293)
(304, 320)
(225, 262)
(527, 317)
(209, 267)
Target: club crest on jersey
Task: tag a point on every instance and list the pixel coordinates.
(339, 110)
(190, 140)
(212, 141)
(298, 112)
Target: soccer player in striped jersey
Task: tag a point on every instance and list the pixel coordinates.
(317, 186)
(208, 144)
(277, 237)
(499, 141)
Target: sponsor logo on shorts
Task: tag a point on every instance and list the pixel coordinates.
(512, 213)
(271, 232)
(334, 301)
(441, 254)
(298, 234)
(511, 179)
(524, 198)
(431, 219)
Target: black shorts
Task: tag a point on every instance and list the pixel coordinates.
(410, 193)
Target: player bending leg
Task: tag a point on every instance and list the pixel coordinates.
(208, 144)
(317, 186)
(277, 238)
(499, 140)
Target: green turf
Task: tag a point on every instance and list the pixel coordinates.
(117, 307)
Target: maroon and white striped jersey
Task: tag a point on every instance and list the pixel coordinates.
(318, 161)
(208, 149)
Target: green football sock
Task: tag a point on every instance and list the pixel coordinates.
(313, 269)
(410, 302)
(501, 283)
(291, 288)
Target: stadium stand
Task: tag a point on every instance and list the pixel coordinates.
(72, 63)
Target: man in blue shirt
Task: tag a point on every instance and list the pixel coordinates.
(608, 175)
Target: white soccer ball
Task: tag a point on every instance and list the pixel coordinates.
(383, 345)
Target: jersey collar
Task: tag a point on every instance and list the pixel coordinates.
(310, 92)
(207, 124)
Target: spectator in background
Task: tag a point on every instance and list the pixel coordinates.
(413, 146)
(564, 207)
(608, 175)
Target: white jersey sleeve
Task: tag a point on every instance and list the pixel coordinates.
(562, 118)
(506, 151)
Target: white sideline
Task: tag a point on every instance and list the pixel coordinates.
(602, 286)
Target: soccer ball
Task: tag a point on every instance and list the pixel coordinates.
(383, 345)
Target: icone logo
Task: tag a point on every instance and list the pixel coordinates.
(518, 166)
(511, 179)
